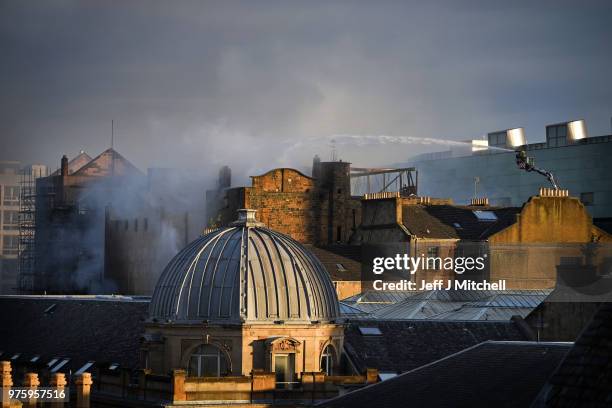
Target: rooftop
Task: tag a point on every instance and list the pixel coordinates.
(104, 329)
(405, 345)
(457, 222)
(489, 374)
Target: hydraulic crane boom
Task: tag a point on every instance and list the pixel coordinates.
(526, 163)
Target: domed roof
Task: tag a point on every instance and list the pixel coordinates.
(244, 273)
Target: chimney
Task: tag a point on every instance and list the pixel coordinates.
(83, 384)
(480, 202)
(225, 178)
(551, 192)
(64, 167)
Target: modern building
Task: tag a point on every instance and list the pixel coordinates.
(13, 176)
(579, 163)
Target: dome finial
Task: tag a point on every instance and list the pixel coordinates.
(246, 216)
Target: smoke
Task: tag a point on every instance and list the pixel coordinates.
(126, 228)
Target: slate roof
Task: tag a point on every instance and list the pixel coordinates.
(370, 301)
(584, 378)
(490, 374)
(464, 305)
(109, 162)
(406, 345)
(75, 163)
(604, 224)
(349, 256)
(439, 221)
(81, 328)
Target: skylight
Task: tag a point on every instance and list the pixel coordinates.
(59, 365)
(50, 363)
(34, 359)
(113, 366)
(386, 376)
(370, 331)
(340, 267)
(457, 225)
(485, 215)
(85, 367)
(50, 309)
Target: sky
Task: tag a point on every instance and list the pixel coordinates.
(262, 84)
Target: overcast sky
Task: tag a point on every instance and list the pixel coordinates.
(209, 83)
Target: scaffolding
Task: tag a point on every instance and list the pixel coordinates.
(27, 224)
(380, 180)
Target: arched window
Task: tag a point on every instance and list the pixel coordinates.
(327, 360)
(207, 361)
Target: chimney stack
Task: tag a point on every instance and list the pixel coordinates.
(64, 167)
(483, 202)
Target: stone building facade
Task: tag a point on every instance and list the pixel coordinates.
(315, 210)
(244, 299)
(526, 246)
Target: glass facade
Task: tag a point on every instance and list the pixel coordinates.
(579, 167)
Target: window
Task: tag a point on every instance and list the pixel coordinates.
(556, 135)
(11, 195)
(10, 219)
(386, 376)
(433, 252)
(327, 360)
(485, 215)
(59, 365)
(207, 361)
(86, 367)
(10, 244)
(587, 198)
(284, 367)
(497, 139)
(370, 331)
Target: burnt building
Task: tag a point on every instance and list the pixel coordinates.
(142, 234)
(70, 222)
(317, 209)
(103, 226)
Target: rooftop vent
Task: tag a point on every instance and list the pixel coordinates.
(551, 192)
(576, 130)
